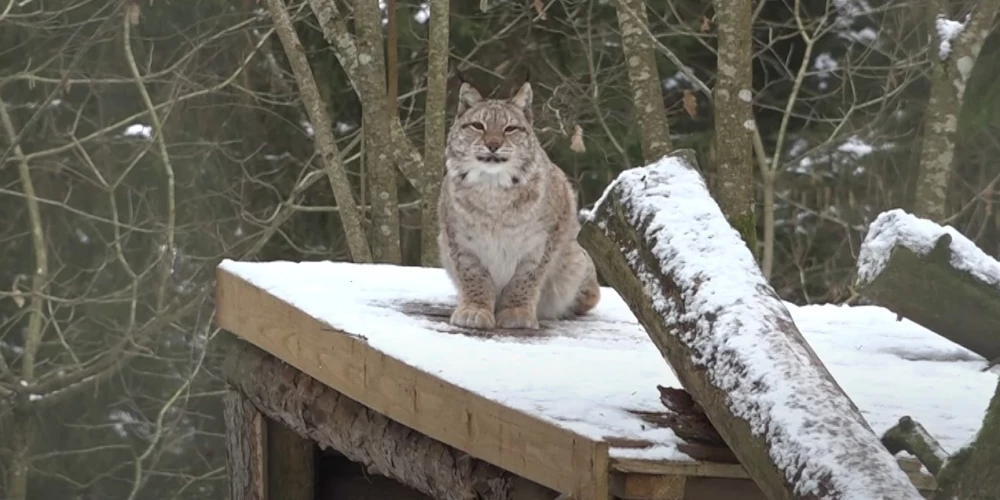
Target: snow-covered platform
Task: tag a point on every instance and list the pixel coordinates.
(568, 404)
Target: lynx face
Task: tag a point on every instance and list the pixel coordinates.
(492, 135)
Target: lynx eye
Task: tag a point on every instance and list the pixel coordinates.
(475, 125)
(510, 129)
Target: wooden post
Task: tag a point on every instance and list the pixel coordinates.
(246, 448)
(290, 464)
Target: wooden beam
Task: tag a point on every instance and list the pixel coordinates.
(246, 448)
(383, 447)
(508, 438)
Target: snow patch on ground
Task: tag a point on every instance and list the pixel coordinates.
(896, 227)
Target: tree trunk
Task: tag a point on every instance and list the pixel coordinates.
(388, 448)
(322, 132)
(376, 119)
(906, 265)
(434, 129)
(949, 75)
(734, 124)
(659, 239)
(974, 472)
(644, 79)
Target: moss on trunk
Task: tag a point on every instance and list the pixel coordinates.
(974, 472)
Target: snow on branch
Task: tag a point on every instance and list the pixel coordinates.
(661, 241)
(934, 276)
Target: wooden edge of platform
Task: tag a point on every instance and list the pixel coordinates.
(627, 467)
(508, 438)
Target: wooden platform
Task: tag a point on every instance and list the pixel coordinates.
(566, 406)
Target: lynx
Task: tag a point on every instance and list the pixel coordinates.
(508, 220)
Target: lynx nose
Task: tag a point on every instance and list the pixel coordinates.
(493, 143)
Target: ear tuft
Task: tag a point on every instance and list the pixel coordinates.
(522, 99)
(467, 97)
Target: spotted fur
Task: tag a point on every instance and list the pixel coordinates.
(508, 220)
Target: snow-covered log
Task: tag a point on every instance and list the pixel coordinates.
(660, 240)
(384, 447)
(935, 277)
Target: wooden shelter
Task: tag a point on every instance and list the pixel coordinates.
(361, 359)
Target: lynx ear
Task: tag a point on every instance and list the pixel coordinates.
(522, 99)
(467, 97)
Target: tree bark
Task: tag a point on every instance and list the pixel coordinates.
(245, 447)
(910, 436)
(742, 359)
(322, 132)
(377, 119)
(434, 129)
(974, 472)
(928, 290)
(644, 80)
(385, 447)
(949, 76)
(734, 124)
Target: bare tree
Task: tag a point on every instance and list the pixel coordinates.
(438, 50)
(734, 124)
(644, 79)
(953, 58)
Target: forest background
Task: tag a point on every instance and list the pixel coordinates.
(143, 142)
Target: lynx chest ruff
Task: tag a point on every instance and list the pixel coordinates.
(500, 236)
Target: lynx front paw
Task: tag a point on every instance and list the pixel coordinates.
(517, 317)
(472, 317)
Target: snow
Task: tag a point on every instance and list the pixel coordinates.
(585, 375)
(855, 146)
(735, 333)
(138, 130)
(896, 227)
(423, 13)
(947, 30)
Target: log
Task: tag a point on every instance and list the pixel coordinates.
(910, 436)
(385, 447)
(660, 240)
(933, 276)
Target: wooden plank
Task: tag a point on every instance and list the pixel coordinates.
(628, 466)
(246, 448)
(291, 471)
(513, 440)
(646, 486)
(677, 468)
(715, 488)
